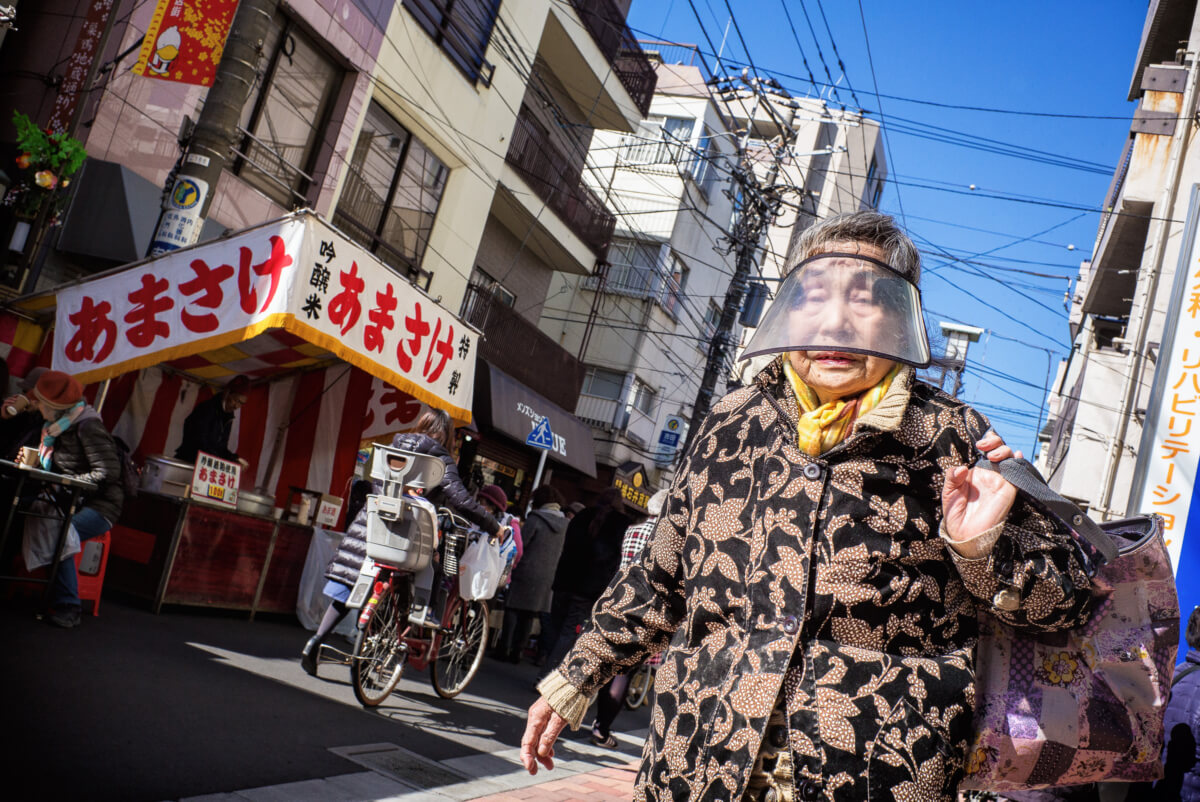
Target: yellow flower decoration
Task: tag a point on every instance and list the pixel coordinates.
(1060, 668)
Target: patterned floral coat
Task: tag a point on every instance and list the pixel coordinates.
(822, 585)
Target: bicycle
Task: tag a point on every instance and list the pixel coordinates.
(392, 629)
(641, 683)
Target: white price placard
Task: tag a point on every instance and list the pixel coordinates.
(216, 480)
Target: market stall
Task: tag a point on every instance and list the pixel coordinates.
(339, 348)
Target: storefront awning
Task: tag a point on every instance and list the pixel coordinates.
(283, 296)
(515, 410)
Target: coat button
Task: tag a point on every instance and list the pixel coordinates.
(769, 795)
(809, 791)
(779, 737)
(812, 471)
(790, 625)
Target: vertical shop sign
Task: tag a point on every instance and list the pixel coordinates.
(79, 65)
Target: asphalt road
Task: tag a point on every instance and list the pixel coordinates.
(133, 706)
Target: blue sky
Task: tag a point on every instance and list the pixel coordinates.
(1068, 58)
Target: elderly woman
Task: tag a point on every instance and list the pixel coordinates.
(826, 547)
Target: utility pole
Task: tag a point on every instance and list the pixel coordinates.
(759, 206)
(189, 196)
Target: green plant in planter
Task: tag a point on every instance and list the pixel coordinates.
(46, 163)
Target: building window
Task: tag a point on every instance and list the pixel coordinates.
(712, 317)
(285, 115)
(632, 267)
(874, 184)
(480, 278)
(603, 383)
(673, 287)
(462, 28)
(660, 140)
(644, 397)
(705, 169)
(391, 194)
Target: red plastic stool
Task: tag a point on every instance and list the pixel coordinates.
(90, 585)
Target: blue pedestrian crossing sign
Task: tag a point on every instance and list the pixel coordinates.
(541, 436)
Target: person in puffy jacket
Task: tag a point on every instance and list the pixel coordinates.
(1181, 752)
(74, 442)
(432, 436)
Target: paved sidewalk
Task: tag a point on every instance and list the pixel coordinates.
(604, 785)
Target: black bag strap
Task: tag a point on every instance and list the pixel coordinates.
(1187, 670)
(1026, 478)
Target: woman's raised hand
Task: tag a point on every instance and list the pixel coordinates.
(976, 499)
(541, 731)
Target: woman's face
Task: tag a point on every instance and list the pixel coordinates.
(838, 302)
(48, 414)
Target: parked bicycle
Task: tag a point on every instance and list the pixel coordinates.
(403, 533)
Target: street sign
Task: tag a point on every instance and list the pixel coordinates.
(672, 429)
(541, 436)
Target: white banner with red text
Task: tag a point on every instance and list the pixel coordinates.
(296, 274)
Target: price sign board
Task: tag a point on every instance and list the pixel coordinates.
(216, 480)
(328, 510)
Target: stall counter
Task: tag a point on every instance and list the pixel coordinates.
(172, 550)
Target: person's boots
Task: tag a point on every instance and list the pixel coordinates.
(308, 657)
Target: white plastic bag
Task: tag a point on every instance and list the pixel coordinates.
(479, 569)
(41, 536)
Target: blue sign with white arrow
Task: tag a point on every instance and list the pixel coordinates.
(541, 436)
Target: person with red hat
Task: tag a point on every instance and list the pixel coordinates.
(74, 442)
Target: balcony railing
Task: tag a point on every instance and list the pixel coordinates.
(605, 22)
(557, 181)
(521, 349)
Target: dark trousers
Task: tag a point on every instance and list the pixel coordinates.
(551, 626)
(578, 612)
(515, 634)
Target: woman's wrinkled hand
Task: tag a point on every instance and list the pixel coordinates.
(542, 728)
(976, 499)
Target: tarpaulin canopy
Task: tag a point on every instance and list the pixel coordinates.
(282, 297)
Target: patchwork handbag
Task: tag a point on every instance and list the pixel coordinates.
(1086, 704)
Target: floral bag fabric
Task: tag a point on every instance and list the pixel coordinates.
(1083, 705)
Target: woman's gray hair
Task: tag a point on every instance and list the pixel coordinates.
(871, 227)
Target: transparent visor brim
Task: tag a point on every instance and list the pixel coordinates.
(841, 303)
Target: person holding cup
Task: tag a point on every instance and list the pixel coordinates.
(74, 442)
(19, 421)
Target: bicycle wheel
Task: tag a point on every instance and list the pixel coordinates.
(460, 647)
(640, 684)
(378, 651)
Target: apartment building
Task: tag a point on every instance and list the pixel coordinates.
(641, 326)
(1117, 440)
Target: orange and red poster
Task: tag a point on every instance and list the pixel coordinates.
(185, 40)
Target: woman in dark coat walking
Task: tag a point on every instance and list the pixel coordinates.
(432, 436)
(530, 590)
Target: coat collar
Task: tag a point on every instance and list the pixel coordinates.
(885, 417)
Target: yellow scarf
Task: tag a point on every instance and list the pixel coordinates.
(823, 426)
